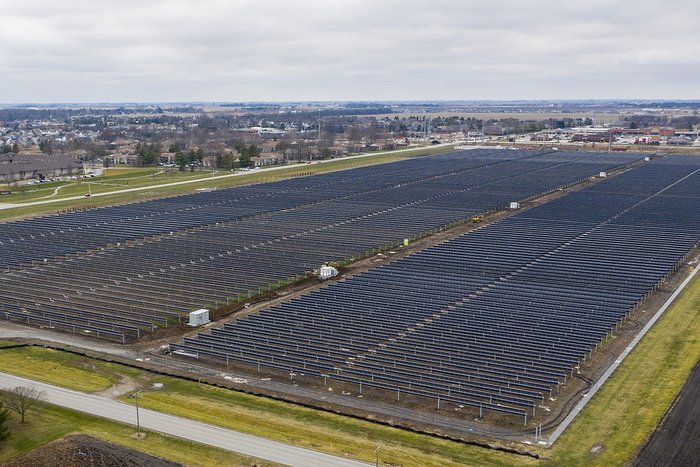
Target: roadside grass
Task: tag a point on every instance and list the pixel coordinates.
(64, 369)
(314, 429)
(46, 423)
(40, 190)
(119, 171)
(109, 182)
(625, 411)
(124, 175)
(259, 416)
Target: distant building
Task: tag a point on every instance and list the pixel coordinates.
(16, 167)
(401, 142)
(122, 158)
(268, 159)
(679, 141)
(661, 131)
(591, 137)
(552, 134)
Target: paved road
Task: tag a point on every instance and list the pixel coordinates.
(180, 427)
(12, 330)
(203, 179)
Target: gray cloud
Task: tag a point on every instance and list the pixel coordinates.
(171, 50)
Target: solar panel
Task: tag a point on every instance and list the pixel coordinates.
(497, 318)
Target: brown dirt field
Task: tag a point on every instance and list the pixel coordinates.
(676, 441)
(86, 451)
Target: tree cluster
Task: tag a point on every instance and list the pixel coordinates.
(246, 152)
(192, 157)
(149, 154)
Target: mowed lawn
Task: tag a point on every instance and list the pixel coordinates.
(63, 368)
(46, 423)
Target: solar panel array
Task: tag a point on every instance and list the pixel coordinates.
(129, 269)
(495, 319)
(24, 241)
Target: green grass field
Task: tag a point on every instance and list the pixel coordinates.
(46, 423)
(64, 369)
(113, 179)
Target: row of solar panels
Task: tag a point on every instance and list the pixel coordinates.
(495, 319)
(142, 286)
(46, 237)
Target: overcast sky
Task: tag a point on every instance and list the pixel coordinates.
(240, 50)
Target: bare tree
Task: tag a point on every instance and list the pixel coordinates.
(22, 398)
(372, 133)
(354, 134)
(327, 138)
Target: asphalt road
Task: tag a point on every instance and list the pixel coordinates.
(180, 427)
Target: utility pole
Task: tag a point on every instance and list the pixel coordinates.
(135, 396)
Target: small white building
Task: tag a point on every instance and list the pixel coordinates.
(199, 317)
(326, 272)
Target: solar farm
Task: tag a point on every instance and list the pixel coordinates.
(493, 323)
(119, 272)
(496, 319)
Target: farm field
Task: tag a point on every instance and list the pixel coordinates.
(673, 442)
